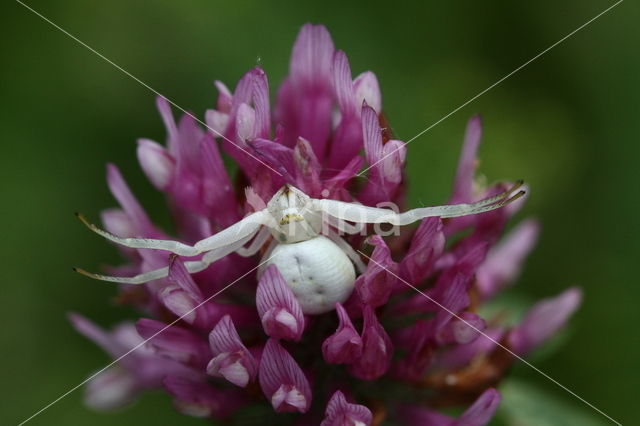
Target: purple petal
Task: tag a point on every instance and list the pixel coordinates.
(343, 85)
(261, 103)
(128, 202)
(219, 195)
(345, 345)
(367, 90)
(372, 136)
(394, 153)
(118, 222)
(277, 156)
(169, 122)
(179, 275)
(282, 380)
(111, 389)
(305, 99)
(246, 123)
(463, 186)
(377, 349)
(426, 246)
(462, 330)
(504, 261)
(218, 121)
(375, 285)
(543, 320)
(479, 414)
(280, 312)
(96, 334)
(225, 98)
(156, 163)
(231, 359)
(463, 354)
(312, 57)
(307, 168)
(340, 413)
(174, 342)
(200, 399)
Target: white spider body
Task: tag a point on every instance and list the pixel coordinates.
(316, 262)
(318, 272)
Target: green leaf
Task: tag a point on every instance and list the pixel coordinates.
(524, 404)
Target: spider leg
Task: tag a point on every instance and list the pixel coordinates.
(172, 246)
(256, 244)
(192, 266)
(363, 214)
(227, 236)
(344, 226)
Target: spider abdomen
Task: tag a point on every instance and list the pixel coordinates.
(318, 272)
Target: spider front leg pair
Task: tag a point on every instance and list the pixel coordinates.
(316, 262)
(215, 247)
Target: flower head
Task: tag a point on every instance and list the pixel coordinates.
(414, 316)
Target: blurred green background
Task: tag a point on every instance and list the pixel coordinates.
(567, 123)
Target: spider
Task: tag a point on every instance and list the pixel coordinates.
(317, 263)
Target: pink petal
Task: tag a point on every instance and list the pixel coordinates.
(231, 359)
(340, 413)
(544, 319)
(278, 308)
(282, 380)
(463, 186)
(367, 90)
(504, 260)
(377, 349)
(156, 163)
(128, 202)
(345, 345)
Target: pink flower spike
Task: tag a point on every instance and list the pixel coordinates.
(282, 380)
(279, 310)
(377, 349)
(340, 413)
(544, 320)
(345, 345)
(231, 359)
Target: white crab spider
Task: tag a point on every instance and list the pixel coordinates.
(315, 261)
